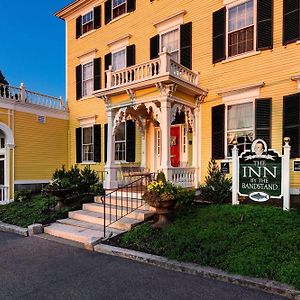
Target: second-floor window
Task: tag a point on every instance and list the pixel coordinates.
(170, 41)
(241, 28)
(88, 22)
(118, 7)
(119, 59)
(87, 79)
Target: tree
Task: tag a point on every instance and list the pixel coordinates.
(2, 79)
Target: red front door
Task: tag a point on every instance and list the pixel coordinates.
(175, 146)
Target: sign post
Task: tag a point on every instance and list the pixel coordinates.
(261, 173)
(286, 174)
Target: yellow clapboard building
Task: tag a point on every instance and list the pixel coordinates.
(168, 85)
(33, 139)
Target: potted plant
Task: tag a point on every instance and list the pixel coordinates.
(161, 195)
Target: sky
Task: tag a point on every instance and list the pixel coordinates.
(32, 47)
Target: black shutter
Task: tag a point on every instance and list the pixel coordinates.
(186, 45)
(154, 47)
(78, 27)
(107, 11)
(131, 4)
(78, 82)
(263, 117)
(291, 21)
(218, 124)
(97, 143)
(105, 142)
(97, 17)
(291, 122)
(78, 145)
(219, 39)
(264, 24)
(130, 55)
(130, 141)
(97, 74)
(107, 61)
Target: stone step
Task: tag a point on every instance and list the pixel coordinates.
(123, 202)
(142, 213)
(91, 226)
(74, 233)
(98, 219)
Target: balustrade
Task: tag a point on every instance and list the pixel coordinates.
(185, 177)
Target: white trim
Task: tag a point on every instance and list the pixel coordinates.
(33, 181)
(66, 58)
(9, 136)
(171, 21)
(93, 143)
(119, 17)
(170, 29)
(87, 121)
(240, 56)
(88, 56)
(297, 79)
(34, 109)
(116, 51)
(241, 89)
(298, 42)
(119, 43)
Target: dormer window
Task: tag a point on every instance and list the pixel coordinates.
(118, 7)
(87, 22)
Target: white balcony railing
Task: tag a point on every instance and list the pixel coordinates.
(22, 95)
(163, 65)
(3, 194)
(183, 176)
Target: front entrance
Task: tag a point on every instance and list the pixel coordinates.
(175, 145)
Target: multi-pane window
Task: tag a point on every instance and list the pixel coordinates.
(170, 41)
(87, 144)
(87, 79)
(240, 126)
(87, 22)
(119, 60)
(120, 143)
(118, 7)
(241, 28)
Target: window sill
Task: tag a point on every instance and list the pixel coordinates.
(298, 42)
(87, 33)
(86, 98)
(88, 163)
(118, 18)
(240, 56)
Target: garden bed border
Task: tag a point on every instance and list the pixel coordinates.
(265, 285)
(13, 229)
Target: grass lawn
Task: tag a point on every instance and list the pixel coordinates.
(248, 240)
(37, 210)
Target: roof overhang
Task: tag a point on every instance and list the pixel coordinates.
(71, 8)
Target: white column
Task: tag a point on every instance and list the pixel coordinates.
(165, 136)
(235, 174)
(196, 145)
(143, 150)
(110, 181)
(23, 92)
(286, 174)
(165, 58)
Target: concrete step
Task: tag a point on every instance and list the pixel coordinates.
(91, 226)
(142, 213)
(98, 219)
(74, 233)
(123, 202)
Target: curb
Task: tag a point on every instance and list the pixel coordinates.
(268, 286)
(13, 228)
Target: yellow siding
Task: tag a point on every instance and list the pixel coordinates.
(273, 67)
(40, 148)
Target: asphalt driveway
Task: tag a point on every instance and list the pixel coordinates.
(34, 268)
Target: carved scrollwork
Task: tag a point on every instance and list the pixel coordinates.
(189, 115)
(166, 90)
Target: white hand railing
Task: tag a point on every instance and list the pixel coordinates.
(3, 194)
(22, 95)
(183, 73)
(163, 65)
(185, 177)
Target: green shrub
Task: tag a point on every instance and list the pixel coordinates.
(22, 196)
(217, 187)
(88, 179)
(185, 197)
(161, 177)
